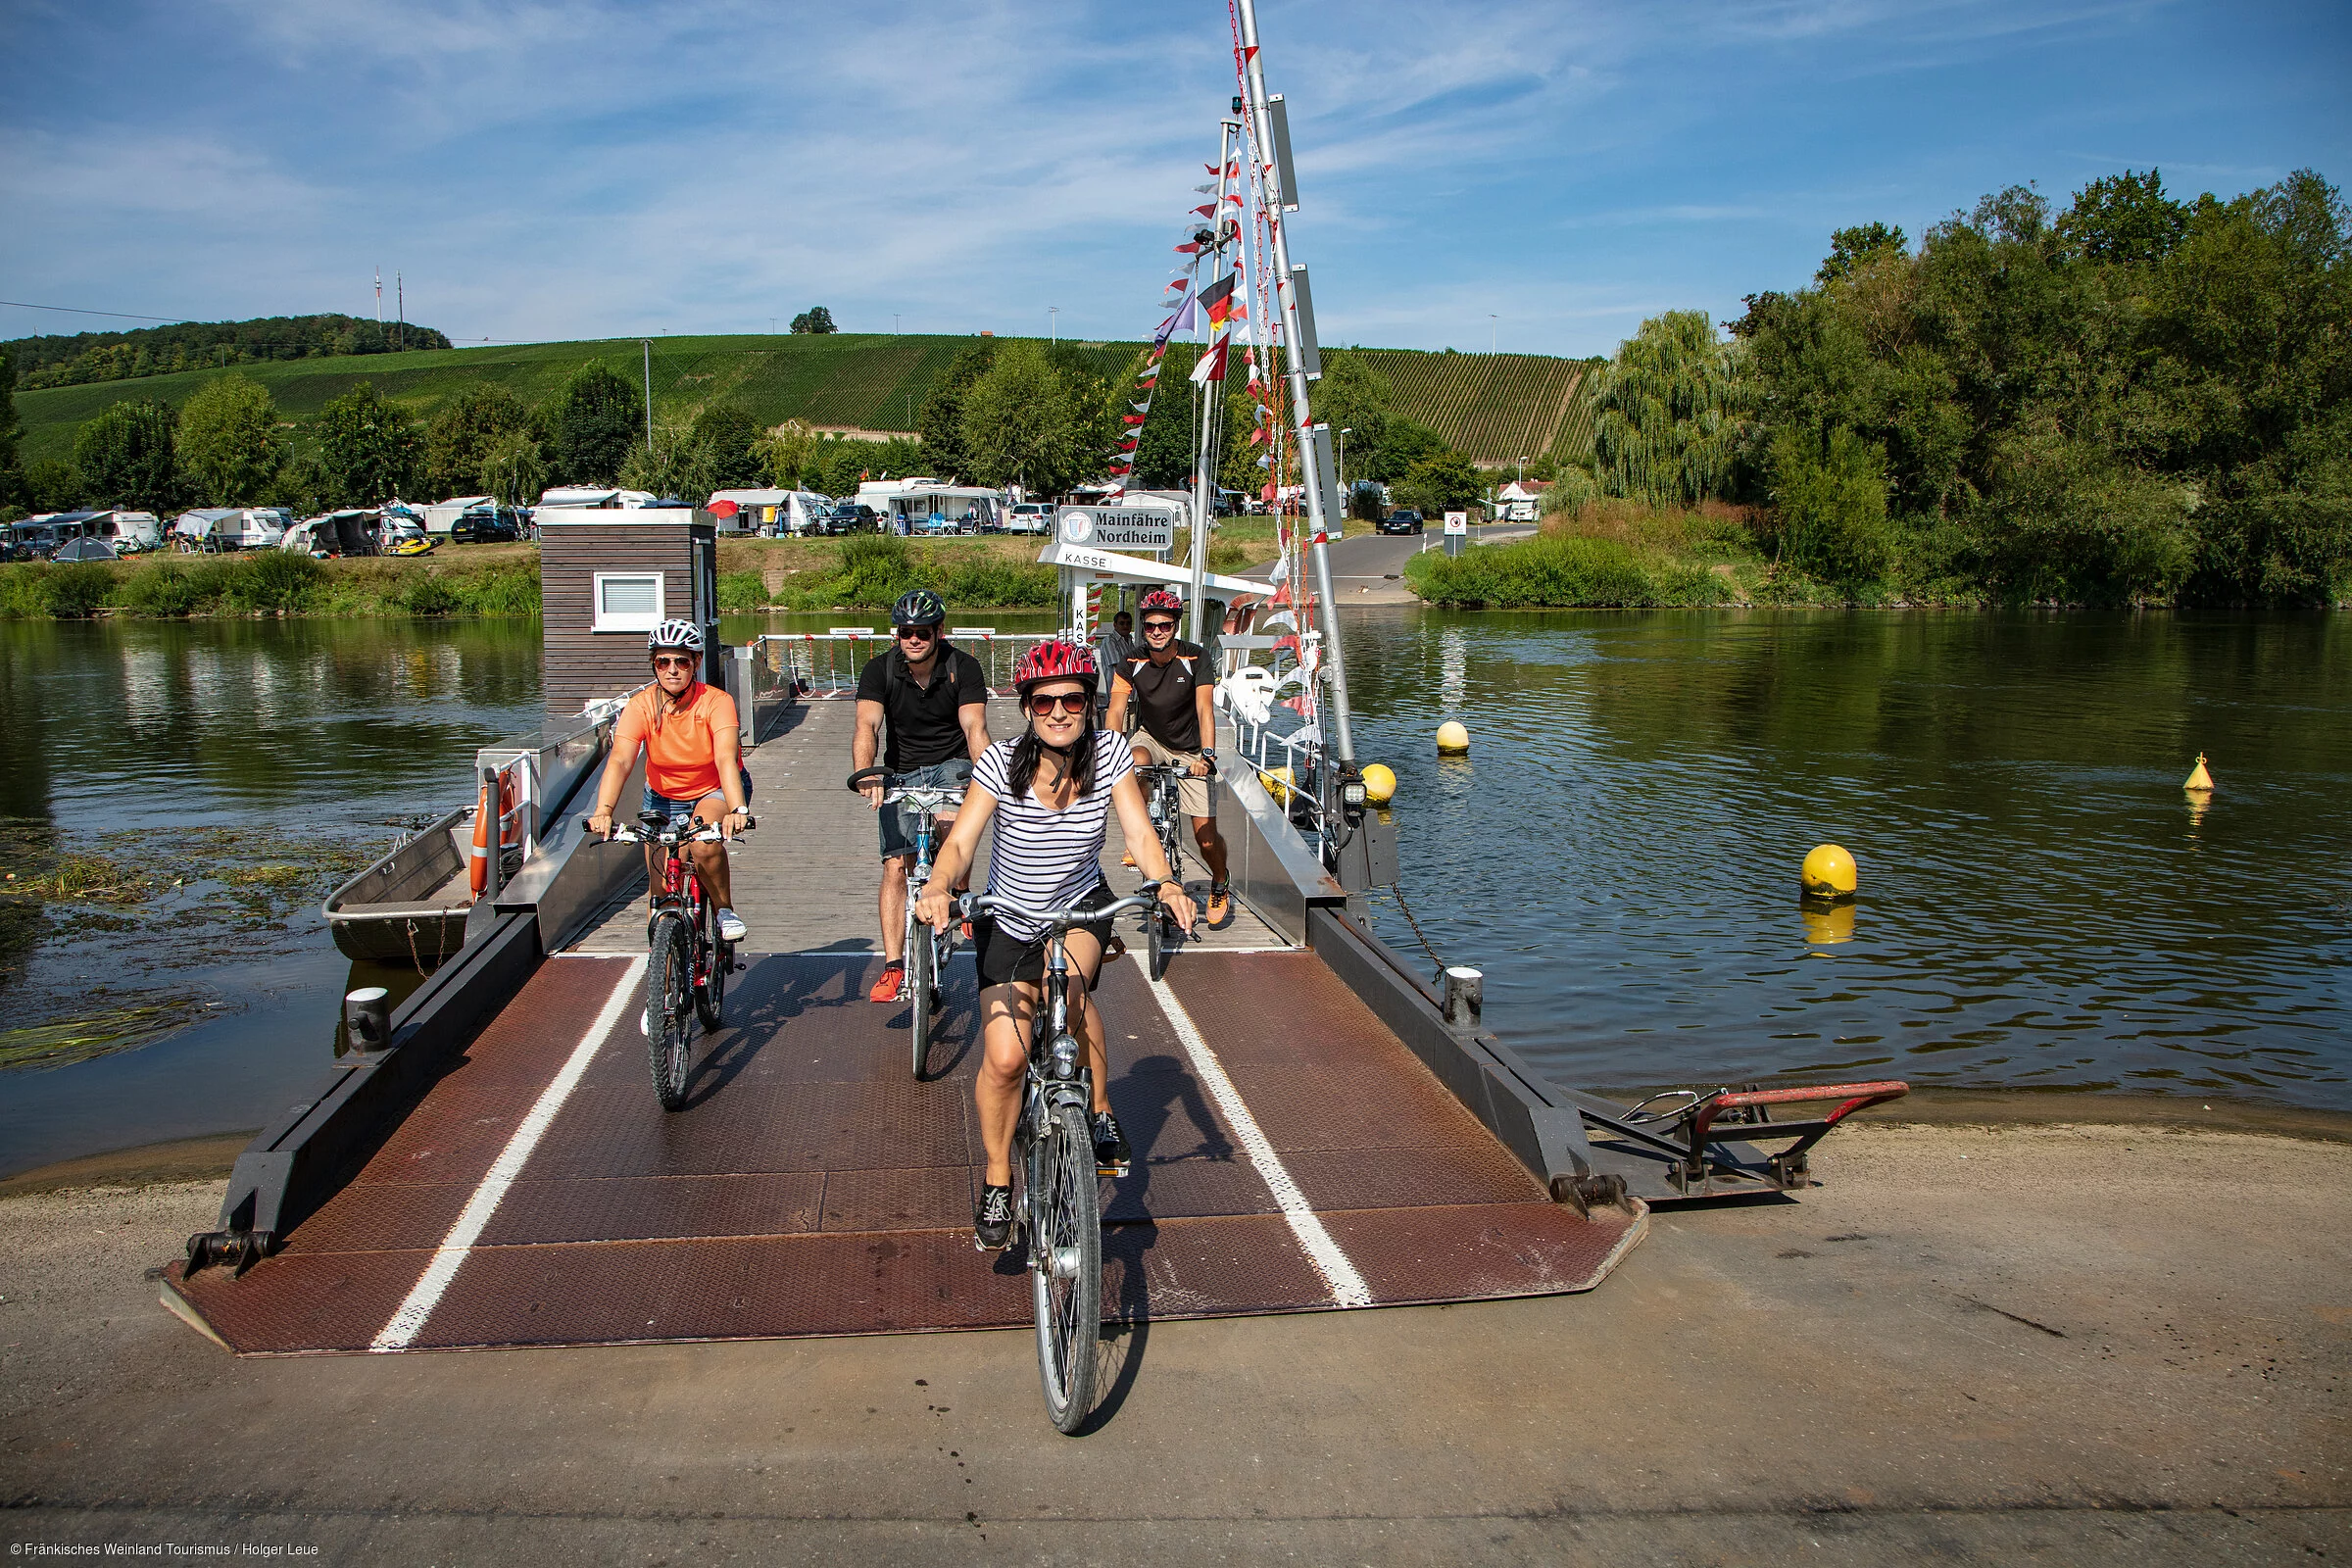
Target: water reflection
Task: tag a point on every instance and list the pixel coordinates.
(1827, 923)
(1617, 853)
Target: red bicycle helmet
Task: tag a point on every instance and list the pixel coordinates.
(1055, 660)
(1160, 599)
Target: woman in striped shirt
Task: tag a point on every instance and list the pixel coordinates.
(1049, 792)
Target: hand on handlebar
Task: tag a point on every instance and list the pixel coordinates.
(1178, 903)
(935, 907)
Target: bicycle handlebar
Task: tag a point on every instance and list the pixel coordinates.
(972, 903)
(624, 833)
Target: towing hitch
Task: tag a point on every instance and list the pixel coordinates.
(1710, 1143)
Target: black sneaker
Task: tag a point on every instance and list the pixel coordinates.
(992, 1220)
(1111, 1154)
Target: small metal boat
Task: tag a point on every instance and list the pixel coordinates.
(411, 906)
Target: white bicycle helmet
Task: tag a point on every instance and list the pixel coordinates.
(675, 634)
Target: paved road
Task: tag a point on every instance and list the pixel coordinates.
(1368, 569)
(1987, 1344)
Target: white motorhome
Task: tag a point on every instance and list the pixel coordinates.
(928, 506)
(128, 531)
(596, 497)
(442, 516)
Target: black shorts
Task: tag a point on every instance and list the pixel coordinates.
(1005, 957)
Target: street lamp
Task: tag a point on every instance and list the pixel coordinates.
(1523, 469)
(1053, 324)
(894, 323)
(1494, 332)
(1340, 477)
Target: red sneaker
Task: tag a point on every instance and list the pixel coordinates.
(887, 989)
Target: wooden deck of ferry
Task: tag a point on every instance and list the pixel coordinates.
(1291, 1153)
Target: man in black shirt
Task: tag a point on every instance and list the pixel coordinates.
(1173, 691)
(934, 698)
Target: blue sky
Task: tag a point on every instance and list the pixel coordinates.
(1540, 175)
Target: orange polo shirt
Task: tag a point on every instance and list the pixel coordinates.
(679, 757)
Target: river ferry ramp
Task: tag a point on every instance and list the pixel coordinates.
(1293, 1154)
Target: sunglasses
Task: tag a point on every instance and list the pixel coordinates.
(918, 634)
(675, 662)
(1044, 702)
(1159, 625)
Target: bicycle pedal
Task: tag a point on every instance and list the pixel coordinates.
(1120, 1169)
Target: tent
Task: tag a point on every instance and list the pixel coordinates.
(85, 550)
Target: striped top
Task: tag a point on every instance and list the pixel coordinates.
(1044, 858)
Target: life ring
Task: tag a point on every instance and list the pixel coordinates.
(509, 829)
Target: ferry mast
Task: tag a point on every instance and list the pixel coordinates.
(1273, 173)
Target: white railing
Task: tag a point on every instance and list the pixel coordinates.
(828, 663)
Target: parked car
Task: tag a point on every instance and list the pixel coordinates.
(485, 525)
(1405, 519)
(851, 516)
(1029, 517)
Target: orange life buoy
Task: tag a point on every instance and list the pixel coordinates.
(509, 829)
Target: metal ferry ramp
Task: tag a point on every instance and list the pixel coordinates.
(1292, 1152)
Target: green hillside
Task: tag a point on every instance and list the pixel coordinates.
(1496, 408)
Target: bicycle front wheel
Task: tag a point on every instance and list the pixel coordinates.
(669, 1010)
(1065, 1263)
(921, 979)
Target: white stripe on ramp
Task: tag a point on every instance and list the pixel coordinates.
(409, 1320)
(1348, 1287)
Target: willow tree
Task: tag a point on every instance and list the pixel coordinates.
(1667, 412)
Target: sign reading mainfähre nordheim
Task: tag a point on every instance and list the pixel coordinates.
(1118, 527)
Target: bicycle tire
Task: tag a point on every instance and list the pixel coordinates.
(920, 956)
(1065, 1264)
(669, 1029)
(711, 992)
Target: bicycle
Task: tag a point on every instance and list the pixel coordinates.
(686, 960)
(1164, 801)
(1060, 1212)
(926, 950)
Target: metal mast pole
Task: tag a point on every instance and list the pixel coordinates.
(1263, 133)
(648, 395)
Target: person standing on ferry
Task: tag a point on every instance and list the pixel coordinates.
(1174, 694)
(932, 698)
(693, 761)
(1049, 792)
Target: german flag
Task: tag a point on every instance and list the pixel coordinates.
(1217, 300)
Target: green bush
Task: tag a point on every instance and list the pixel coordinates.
(273, 581)
(425, 594)
(163, 589)
(1559, 573)
(500, 590)
(741, 590)
(75, 591)
(25, 593)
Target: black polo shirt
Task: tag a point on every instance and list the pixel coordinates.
(1164, 695)
(924, 724)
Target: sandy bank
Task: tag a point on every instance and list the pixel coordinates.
(2022, 1343)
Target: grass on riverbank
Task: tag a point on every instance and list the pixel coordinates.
(869, 571)
(495, 581)
(1618, 555)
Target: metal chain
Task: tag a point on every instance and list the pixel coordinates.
(1397, 887)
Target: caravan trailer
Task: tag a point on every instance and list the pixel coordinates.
(929, 507)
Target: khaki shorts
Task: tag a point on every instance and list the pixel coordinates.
(1192, 793)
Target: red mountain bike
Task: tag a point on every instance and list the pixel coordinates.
(686, 962)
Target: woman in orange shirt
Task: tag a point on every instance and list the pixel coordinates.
(693, 764)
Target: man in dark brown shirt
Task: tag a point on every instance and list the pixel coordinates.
(1174, 694)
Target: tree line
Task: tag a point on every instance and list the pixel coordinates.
(80, 358)
(2135, 399)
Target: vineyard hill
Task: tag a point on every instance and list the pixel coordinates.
(1496, 406)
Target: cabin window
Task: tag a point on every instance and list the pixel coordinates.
(628, 600)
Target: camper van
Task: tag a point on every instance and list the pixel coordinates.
(929, 507)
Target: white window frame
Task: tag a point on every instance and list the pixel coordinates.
(618, 622)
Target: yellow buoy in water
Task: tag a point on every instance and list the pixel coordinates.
(1828, 874)
(1453, 739)
(2199, 782)
(1380, 784)
(1278, 784)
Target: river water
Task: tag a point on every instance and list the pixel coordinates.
(2040, 905)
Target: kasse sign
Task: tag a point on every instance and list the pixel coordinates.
(1118, 527)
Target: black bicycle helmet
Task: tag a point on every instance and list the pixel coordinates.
(918, 606)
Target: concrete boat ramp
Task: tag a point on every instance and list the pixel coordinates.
(1293, 1154)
